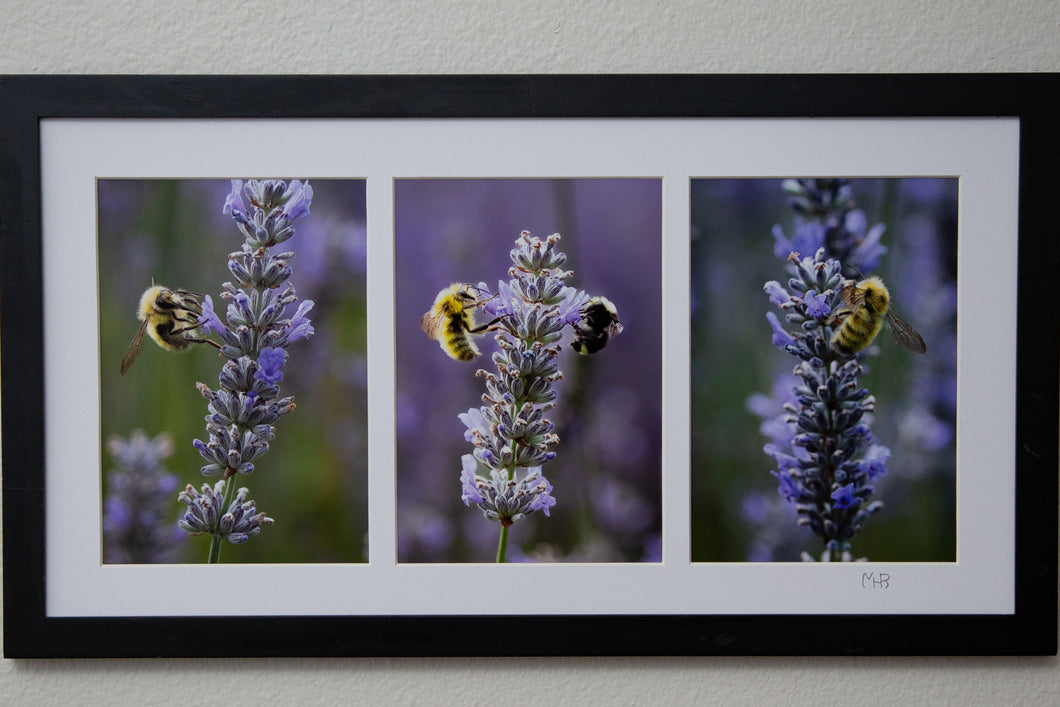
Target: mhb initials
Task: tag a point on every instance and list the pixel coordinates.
(875, 580)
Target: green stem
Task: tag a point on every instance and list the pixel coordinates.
(215, 550)
(502, 547)
(215, 540)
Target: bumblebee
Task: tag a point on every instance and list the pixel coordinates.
(599, 322)
(169, 317)
(866, 307)
(451, 323)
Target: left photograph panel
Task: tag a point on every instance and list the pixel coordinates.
(233, 383)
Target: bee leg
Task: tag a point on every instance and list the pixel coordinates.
(211, 342)
(483, 301)
(196, 341)
(485, 327)
(836, 318)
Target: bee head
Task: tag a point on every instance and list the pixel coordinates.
(467, 293)
(876, 295)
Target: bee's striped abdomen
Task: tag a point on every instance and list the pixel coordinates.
(450, 322)
(857, 331)
(458, 343)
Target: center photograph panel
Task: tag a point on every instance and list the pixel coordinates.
(529, 370)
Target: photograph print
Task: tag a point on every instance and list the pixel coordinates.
(233, 370)
(528, 358)
(824, 369)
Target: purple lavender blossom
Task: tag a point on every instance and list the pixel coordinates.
(236, 522)
(137, 520)
(270, 365)
(506, 498)
(844, 497)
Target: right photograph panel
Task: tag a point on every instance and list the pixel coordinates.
(823, 369)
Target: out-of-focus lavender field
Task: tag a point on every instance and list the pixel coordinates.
(313, 480)
(737, 513)
(606, 474)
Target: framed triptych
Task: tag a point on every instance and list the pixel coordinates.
(529, 365)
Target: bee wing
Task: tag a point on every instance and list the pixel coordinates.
(135, 347)
(904, 333)
(852, 297)
(431, 324)
(615, 328)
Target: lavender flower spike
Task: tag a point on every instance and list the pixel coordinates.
(511, 434)
(510, 431)
(506, 500)
(825, 459)
(263, 317)
(207, 514)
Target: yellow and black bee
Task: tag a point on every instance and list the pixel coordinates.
(599, 322)
(866, 307)
(169, 317)
(451, 323)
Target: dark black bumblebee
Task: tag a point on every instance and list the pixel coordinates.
(598, 323)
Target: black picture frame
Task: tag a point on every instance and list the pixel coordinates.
(29, 632)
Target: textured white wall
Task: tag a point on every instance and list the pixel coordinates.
(465, 36)
(470, 36)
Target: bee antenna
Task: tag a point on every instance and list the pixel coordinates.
(857, 272)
